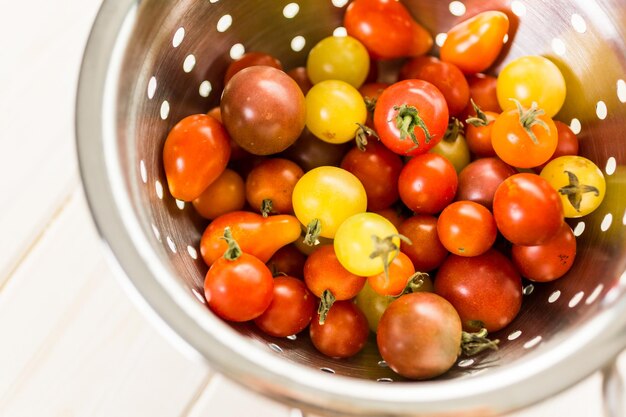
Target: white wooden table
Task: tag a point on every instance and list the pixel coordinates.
(71, 342)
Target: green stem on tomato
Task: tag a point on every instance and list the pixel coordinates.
(313, 230)
(387, 250)
(234, 251)
(407, 120)
(362, 133)
(474, 343)
(481, 118)
(529, 118)
(455, 128)
(326, 302)
(266, 207)
(414, 283)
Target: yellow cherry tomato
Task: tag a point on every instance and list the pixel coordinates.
(579, 181)
(532, 79)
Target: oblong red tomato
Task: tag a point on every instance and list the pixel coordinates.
(195, 153)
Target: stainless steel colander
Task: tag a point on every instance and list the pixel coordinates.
(150, 63)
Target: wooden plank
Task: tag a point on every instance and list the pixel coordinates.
(38, 78)
(72, 342)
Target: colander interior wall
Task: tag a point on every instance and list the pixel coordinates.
(173, 66)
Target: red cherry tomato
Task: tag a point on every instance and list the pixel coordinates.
(344, 332)
(301, 77)
(400, 270)
(291, 309)
(567, 143)
(427, 183)
(483, 93)
(443, 75)
(270, 185)
(479, 180)
(386, 28)
(486, 290)
(239, 288)
(425, 251)
(250, 59)
(195, 153)
(466, 228)
(394, 215)
(419, 335)
(527, 210)
(287, 260)
(420, 110)
(474, 44)
(478, 135)
(378, 170)
(322, 271)
(548, 261)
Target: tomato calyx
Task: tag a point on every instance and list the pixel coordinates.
(266, 207)
(529, 118)
(370, 104)
(385, 247)
(455, 128)
(234, 251)
(413, 283)
(313, 230)
(326, 302)
(474, 343)
(574, 190)
(481, 119)
(362, 133)
(407, 120)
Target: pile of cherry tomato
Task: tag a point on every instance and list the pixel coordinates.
(413, 209)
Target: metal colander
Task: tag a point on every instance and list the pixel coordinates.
(148, 64)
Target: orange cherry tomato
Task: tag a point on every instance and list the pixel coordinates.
(474, 44)
(524, 138)
(257, 235)
(225, 194)
(195, 153)
(322, 271)
(270, 185)
(400, 270)
(466, 228)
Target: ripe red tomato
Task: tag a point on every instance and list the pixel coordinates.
(411, 117)
(322, 271)
(419, 335)
(225, 194)
(485, 290)
(527, 210)
(301, 77)
(263, 110)
(479, 180)
(195, 153)
(466, 228)
(524, 138)
(483, 92)
(474, 44)
(287, 260)
(427, 183)
(344, 332)
(447, 77)
(400, 270)
(291, 309)
(386, 28)
(548, 261)
(478, 134)
(250, 59)
(425, 251)
(393, 214)
(378, 170)
(238, 286)
(270, 185)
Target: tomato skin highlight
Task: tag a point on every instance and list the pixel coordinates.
(548, 261)
(527, 210)
(238, 290)
(474, 44)
(195, 154)
(256, 235)
(486, 290)
(386, 28)
(432, 109)
(419, 335)
(291, 309)
(344, 332)
(427, 183)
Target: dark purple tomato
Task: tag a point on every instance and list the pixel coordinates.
(479, 180)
